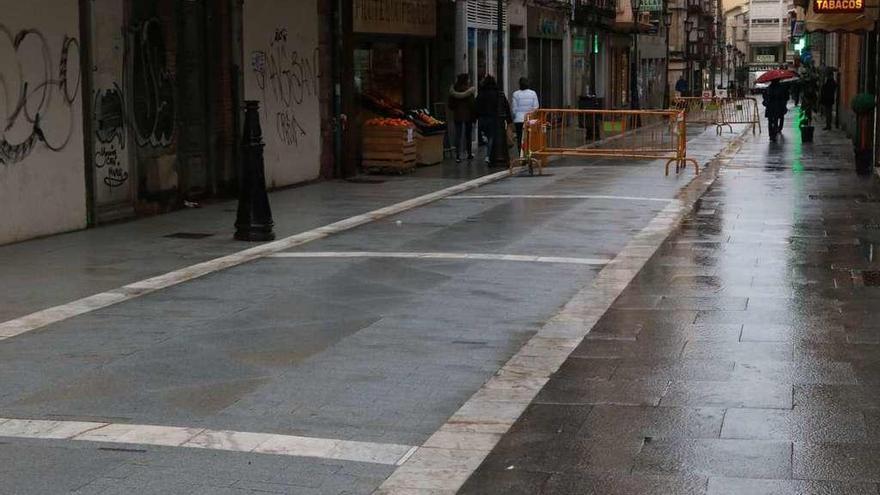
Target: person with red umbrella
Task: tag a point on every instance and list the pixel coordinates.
(776, 99)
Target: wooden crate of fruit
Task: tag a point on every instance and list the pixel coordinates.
(388, 145)
(429, 149)
(429, 140)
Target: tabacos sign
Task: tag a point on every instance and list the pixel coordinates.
(838, 6)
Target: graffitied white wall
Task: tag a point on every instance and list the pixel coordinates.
(282, 72)
(42, 174)
(113, 174)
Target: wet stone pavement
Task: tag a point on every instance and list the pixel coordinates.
(743, 359)
(313, 370)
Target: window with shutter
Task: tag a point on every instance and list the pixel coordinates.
(483, 14)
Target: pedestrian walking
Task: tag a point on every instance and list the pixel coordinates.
(681, 86)
(525, 100)
(488, 113)
(827, 97)
(462, 104)
(776, 103)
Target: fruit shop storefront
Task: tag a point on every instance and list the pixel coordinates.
(391, 123)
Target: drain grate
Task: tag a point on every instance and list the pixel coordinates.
(364, 180)
(871, 278)
(188, 235)
(857, 197)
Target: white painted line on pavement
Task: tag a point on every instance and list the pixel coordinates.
(449, 457)
(557, 196)
(201, 438)
(443, 256)
(62, 312)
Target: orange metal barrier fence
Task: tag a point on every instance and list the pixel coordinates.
(643, 134)
(720, 112)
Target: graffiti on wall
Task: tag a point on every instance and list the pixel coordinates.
(109, 115)
(152, 83)
(150, 113)
(38, 86)
(287, 77)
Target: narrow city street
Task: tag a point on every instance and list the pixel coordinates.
(439, 247)
(322, 362)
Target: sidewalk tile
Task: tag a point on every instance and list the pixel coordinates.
(849, 462)
(794, 425)
(735, 458)
(749, 486)
(729, 394)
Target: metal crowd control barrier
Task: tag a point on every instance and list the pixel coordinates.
(642, 134)
(720, 112)
(741, 111)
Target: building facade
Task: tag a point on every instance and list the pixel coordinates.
(139, 103)
(768, 32)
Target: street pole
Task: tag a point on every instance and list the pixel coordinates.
(253, 222)
(634, 71)
(667, 22)
(688, 27)
(500, 155)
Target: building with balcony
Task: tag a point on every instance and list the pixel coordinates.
(768, 32)
(692, 42)
(736, 39)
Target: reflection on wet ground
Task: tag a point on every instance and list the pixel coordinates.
(743, 359)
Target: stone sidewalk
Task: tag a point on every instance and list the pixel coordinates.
(743, 359)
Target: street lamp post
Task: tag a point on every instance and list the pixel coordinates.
(634, 72)
(736, 69)
(500, 155)
(667, 21)
(688, 27)
(727, 54)
(701, 37)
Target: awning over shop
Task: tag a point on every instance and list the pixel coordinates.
(842, 22)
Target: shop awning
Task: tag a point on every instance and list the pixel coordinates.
(844, 22)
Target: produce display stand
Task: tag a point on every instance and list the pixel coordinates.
(388, 148)
(429, 148)
(395, 140)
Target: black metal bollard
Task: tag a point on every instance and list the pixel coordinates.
(254, 219)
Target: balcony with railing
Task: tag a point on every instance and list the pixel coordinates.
(594, 12)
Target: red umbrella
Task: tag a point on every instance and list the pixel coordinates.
(775, 75)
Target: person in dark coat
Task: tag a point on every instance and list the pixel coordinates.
(488, 102)
(776, 103)
(827, 97)
(462, 104)
(681, 86)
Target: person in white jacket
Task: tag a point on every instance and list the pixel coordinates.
(524, 101)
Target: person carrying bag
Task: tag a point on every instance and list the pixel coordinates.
(488, 102)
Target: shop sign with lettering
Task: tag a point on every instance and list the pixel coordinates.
(651, 6)
(409, 17)
(545, 23)
(838, 6)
